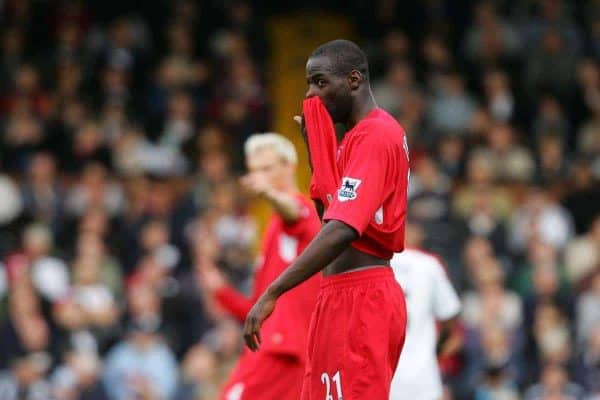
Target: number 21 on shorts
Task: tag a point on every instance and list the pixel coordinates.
(337, 380)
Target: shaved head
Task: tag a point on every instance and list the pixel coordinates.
(345, 56)
(338, 72)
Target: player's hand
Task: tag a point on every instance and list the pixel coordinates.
(257, 315)
(256, 184)
(300, 121)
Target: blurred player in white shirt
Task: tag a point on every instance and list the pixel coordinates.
(430, 297)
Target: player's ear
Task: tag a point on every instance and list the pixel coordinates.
(355, 79)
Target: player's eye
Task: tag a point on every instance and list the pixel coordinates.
(320, 83)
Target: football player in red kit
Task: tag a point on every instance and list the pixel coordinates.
(360, 184)
(276, 371)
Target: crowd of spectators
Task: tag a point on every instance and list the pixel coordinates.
(121, 136)
(502, 115)
(120, 146)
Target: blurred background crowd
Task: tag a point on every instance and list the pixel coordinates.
(121, 132)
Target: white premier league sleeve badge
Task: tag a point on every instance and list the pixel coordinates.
(348, 189)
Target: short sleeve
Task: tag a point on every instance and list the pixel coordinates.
(363, 180)
(446, 304)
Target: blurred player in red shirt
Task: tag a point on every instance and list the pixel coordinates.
(276, 371)
(360, 184)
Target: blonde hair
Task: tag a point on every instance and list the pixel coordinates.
(278, 143)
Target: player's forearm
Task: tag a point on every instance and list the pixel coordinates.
(286, 205)
(332, 240)
(235, 303)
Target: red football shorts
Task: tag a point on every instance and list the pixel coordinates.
(264, 376)
(356, 334)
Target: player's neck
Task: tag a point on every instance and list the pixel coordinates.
(363, 106)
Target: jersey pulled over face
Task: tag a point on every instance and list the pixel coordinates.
(372, 168)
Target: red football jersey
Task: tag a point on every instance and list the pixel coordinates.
(373, 168)
(285, 331)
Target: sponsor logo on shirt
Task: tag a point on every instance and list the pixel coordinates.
(349, 188)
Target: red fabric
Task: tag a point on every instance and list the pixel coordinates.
(366, 186)
(236, 303)
(264, 376)
(285, 331)
(358, 329)
(322, 148)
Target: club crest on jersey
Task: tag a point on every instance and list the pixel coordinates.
(349, 188)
